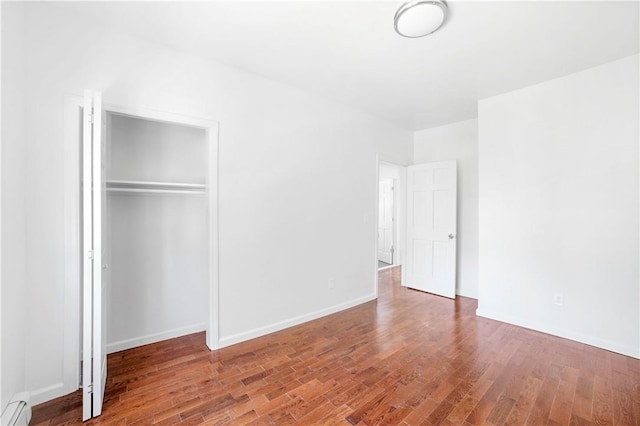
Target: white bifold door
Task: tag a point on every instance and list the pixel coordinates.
(94, 354)
(431, 227)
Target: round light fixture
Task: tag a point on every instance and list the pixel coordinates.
(419, 18)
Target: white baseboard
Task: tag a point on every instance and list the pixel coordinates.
(47, 393)
(566, 334)
(261, 331)
(153, 338)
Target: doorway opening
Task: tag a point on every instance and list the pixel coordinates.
(390, 211)
(157, 246)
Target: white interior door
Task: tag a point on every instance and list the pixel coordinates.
(431, 227)
(386, 220)
(94, 360)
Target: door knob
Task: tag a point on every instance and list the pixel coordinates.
(451, 236)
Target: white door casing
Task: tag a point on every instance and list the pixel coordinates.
(94, 365)
(431, 227)
(386, 207)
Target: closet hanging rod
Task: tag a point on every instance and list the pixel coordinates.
(158, 191)
(152, 184)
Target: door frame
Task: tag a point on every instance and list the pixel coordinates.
(73, 105)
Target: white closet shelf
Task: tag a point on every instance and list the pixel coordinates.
(152, 187)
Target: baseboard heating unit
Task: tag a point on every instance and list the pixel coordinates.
(18, 411)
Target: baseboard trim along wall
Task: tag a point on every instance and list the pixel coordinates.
(566, 334)
(153, 338)
(261, 331)
(48, 393)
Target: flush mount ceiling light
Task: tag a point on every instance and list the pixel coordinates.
(419, 18)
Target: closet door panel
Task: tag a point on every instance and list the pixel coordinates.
(94, 321)
(87, 258)
(100, 224)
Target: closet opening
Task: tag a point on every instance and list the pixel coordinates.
(159, 230)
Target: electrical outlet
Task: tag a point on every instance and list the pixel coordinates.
(332, 283)
(558, 299)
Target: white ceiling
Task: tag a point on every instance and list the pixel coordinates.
(348, 50)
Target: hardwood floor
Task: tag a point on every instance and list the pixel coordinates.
(408, 358)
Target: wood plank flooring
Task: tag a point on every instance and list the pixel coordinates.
(409, 358)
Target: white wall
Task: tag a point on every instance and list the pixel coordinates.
(158, 287)
(458, 141)
(297, 180)
(559, 212)
(13, 271)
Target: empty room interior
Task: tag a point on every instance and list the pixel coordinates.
(320, 212)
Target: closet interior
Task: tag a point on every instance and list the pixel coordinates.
(158, 230)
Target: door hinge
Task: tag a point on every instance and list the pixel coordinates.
(90, 388)
(90, 254)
